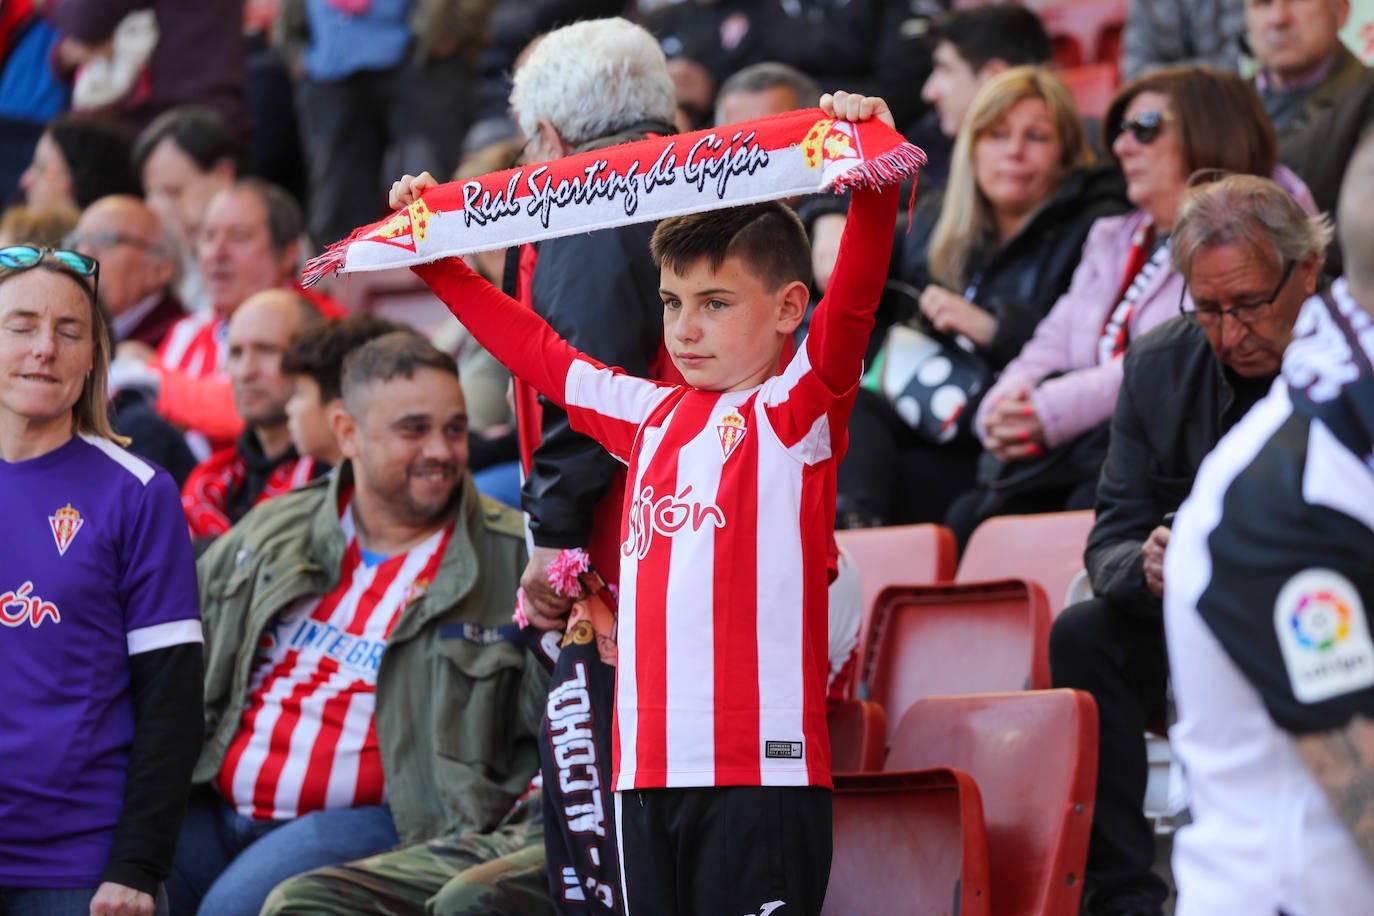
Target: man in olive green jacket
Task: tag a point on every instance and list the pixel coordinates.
(393, 569)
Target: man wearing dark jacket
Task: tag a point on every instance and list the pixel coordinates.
(1251, 257)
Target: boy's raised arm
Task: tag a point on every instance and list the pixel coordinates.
(518, 338)
(843, 321)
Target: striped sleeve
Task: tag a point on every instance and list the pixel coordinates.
(604, 403)
(828, 366)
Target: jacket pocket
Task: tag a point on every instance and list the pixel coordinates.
(479, 698)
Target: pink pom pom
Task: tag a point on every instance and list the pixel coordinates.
(565, 569)
(519, 615)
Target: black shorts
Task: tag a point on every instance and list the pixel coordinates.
(736, 850)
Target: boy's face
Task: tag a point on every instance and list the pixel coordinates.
(311, 422)
(723, 328)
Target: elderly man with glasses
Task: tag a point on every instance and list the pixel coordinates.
(138, 267)
(1250, 256)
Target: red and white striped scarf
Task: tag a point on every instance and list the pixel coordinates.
(786, 155)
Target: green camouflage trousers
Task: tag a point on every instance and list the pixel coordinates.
(476, 874)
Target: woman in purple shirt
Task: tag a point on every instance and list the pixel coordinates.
(100, 635)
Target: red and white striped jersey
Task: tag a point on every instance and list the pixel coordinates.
(726, 539)
(196, 345)
(307, 739)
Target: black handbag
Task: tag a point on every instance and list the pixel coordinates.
(932, 380)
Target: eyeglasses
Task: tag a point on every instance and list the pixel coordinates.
(108, 238)
(1246, 314)
(15, 258)
(1145, 127)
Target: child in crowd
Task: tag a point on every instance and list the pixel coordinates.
(722, 761)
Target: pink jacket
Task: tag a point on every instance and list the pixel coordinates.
(1066, 339)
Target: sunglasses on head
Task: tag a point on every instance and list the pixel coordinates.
(1145, 127)
(14, 258)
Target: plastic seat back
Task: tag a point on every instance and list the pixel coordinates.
(942, 639)
(1092, 87)
(897, 555)
(858, 736)
(1089, 22)
(1034, 757)
(909, 843)
(1046, 549)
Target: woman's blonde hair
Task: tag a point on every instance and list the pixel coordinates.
(88, 413)
(966, 215)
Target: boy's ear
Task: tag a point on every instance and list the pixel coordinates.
(792, 302)
(345, 431)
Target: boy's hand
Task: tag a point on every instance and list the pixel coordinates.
(544, 607)
(849, 106)
(408, 187)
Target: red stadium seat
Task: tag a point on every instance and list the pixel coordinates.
(897, 555)
(1067, 51)
(946, 639)
(1034, 758)
(908, 843)
(1095, 24)
(858, 736)
(1092, 87)
(1046, 549)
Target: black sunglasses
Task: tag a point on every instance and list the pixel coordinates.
(1246, 314)
(1145, 127)
(14, 258)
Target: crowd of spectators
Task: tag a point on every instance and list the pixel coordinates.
(1077, 309)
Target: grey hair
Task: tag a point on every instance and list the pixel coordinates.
(1245, 209)
(592, 79)
(770, 75)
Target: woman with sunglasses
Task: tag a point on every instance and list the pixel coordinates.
(99, 619)
(984, 261)
(1043, 424)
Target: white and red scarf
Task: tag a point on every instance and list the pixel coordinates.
(786, 155)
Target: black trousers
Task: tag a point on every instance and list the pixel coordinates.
(736, 850)
(1120, 659)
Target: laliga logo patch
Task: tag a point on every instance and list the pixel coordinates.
(1323, 636)
(65, 523)
(731, 431)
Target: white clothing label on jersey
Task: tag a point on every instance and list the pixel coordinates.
(1323, 635)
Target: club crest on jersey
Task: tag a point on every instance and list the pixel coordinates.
(416, 590)
(65, 523)
(731, 430)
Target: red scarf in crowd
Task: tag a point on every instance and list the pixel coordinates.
(786, 155)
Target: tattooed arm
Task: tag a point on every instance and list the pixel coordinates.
(1342, 763)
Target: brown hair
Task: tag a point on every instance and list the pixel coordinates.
(320, 351)
(381, 359)
(1221, 121)
(767, 237)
